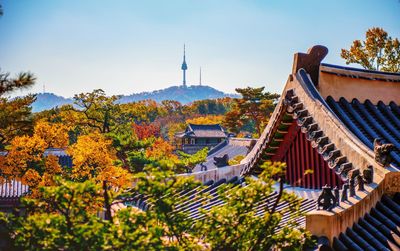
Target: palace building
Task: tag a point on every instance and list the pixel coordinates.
(197, 137)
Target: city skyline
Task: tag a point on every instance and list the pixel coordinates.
(130, 47)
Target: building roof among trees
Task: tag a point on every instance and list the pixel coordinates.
(232, 146)
(203, 131)
(12, 189)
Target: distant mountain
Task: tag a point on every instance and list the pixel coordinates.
(45, 101)
(179, 93)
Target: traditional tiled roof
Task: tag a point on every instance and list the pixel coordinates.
(59, 152)
(377, 230)
(12, 189)
(293, 109)
(192, 202)
(232, 147)
(339, 111)
(203, 131)
(368, 122)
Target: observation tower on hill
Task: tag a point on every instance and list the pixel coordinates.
(184, 67)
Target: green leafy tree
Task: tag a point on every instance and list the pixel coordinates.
(129, 149)
(62, 218)
(15, 118)
(100, 111)
(189, 161)
(164, 191)
(65, 218)
(254, 106)
(378, 51)
(234, 225)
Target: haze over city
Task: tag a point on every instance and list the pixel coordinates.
(126, 47)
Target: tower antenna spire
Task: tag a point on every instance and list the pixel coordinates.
(200, 76)
(184, 66)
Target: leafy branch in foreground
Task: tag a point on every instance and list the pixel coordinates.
(165, 191)
(22, 80)
(65, 218)
(250, 219)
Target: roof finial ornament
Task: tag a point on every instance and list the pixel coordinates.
(310, 61)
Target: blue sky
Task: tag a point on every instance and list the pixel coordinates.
(126, 46)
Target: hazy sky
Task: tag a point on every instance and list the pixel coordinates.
(131, 46)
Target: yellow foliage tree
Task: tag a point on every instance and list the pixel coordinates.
(24, 153)
(27, 162)
(94, 158)
(206, 120)
(378, 51)
(54, 134)
(162, 153)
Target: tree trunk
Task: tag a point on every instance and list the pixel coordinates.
(107, 204)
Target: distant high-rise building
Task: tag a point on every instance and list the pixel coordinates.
(184, 67)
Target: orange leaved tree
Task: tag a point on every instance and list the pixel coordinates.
(95, 159)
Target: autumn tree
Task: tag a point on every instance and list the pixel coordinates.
(54, 134)
(232, 121)
(161, 154)
(94, 159)
(206, 120)
(255, 106)
(144, 111)
(146, 130)
(100, 111)
(172, 106)
(174, 128)
(69, 117)
(26, 159)
(378, 51)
